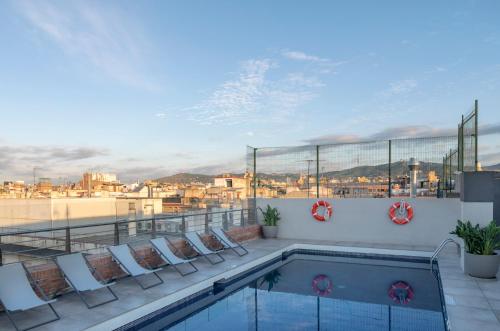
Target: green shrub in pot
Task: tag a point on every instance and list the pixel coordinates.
(271, 218)
(480, 243)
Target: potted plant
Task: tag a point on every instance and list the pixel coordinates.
(271, 218)
(480, 258)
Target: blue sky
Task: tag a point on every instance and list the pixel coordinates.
(156, 87)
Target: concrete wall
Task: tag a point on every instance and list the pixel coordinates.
(367, 221)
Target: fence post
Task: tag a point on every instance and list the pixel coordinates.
(117, 234)
(68, 240)
(255, 173)
(317, 171)
(476, 111)
(389, 173)
(242, 218)
(183, 224)
(206, 222)
(449, 168)
(1, 257)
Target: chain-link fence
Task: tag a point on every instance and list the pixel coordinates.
(465, 156)
(364, 169)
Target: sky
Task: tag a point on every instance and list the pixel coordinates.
(151, 88)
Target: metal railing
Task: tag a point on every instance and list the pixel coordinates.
(42, 244)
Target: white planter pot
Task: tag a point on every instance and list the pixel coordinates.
(482, 266)
(270, 231)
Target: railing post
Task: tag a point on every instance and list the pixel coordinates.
(1, 257)
(68, 240)
(117, 234)
(183, 224)
(224, 221)
(206, 222)
(153, 227)
(242, 217)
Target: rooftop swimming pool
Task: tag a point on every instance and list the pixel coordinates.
(312, 290)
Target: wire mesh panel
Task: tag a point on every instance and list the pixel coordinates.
(288, 172)
(468, 144)
(354, 170)
(428, 152)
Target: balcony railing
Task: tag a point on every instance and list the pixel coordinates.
(39, 245)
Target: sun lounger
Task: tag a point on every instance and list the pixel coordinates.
(228, 242)
(194, 239)
(161, 246)
(122, 254)
(17, 294)
(77, 272)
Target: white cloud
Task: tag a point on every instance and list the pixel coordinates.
(301, 56)
(401, 87)
(100, 36)
(161, 115)
(253, 97)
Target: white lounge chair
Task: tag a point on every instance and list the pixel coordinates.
(228, 241)
(17, 294)
(194, 239)
(122, 254)
(76, 271)
(161, 247)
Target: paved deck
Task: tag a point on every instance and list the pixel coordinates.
(472, 304)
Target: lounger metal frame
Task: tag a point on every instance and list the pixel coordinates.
(80, 293)
(176, 251)
(222, 240)
(33, 282)
(136, 278)
(206, 256)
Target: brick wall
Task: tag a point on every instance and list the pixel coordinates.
(52, 282)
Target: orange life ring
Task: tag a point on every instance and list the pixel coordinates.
(401, 292)
(322, 291)
(401, 220)
(326, 215)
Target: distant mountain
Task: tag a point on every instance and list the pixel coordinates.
(397, 169)
(381, 170)
(186, 178)
(492, 167)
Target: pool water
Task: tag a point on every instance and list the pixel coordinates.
(312, 292)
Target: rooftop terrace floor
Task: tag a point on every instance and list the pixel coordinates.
(472, 304)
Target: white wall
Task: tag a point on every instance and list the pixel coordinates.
(366, 220)
(42, 213)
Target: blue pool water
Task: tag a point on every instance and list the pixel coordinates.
(314, 292)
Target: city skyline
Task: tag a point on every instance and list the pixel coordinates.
(148, 91)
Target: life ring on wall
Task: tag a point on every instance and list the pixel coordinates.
(401, 206)
(401, 292)
(326, 214)
(322, 285)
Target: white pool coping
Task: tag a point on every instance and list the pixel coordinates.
(151, 307)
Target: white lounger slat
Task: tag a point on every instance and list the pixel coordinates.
(76, 270)
(127, 261)
(16, 292)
